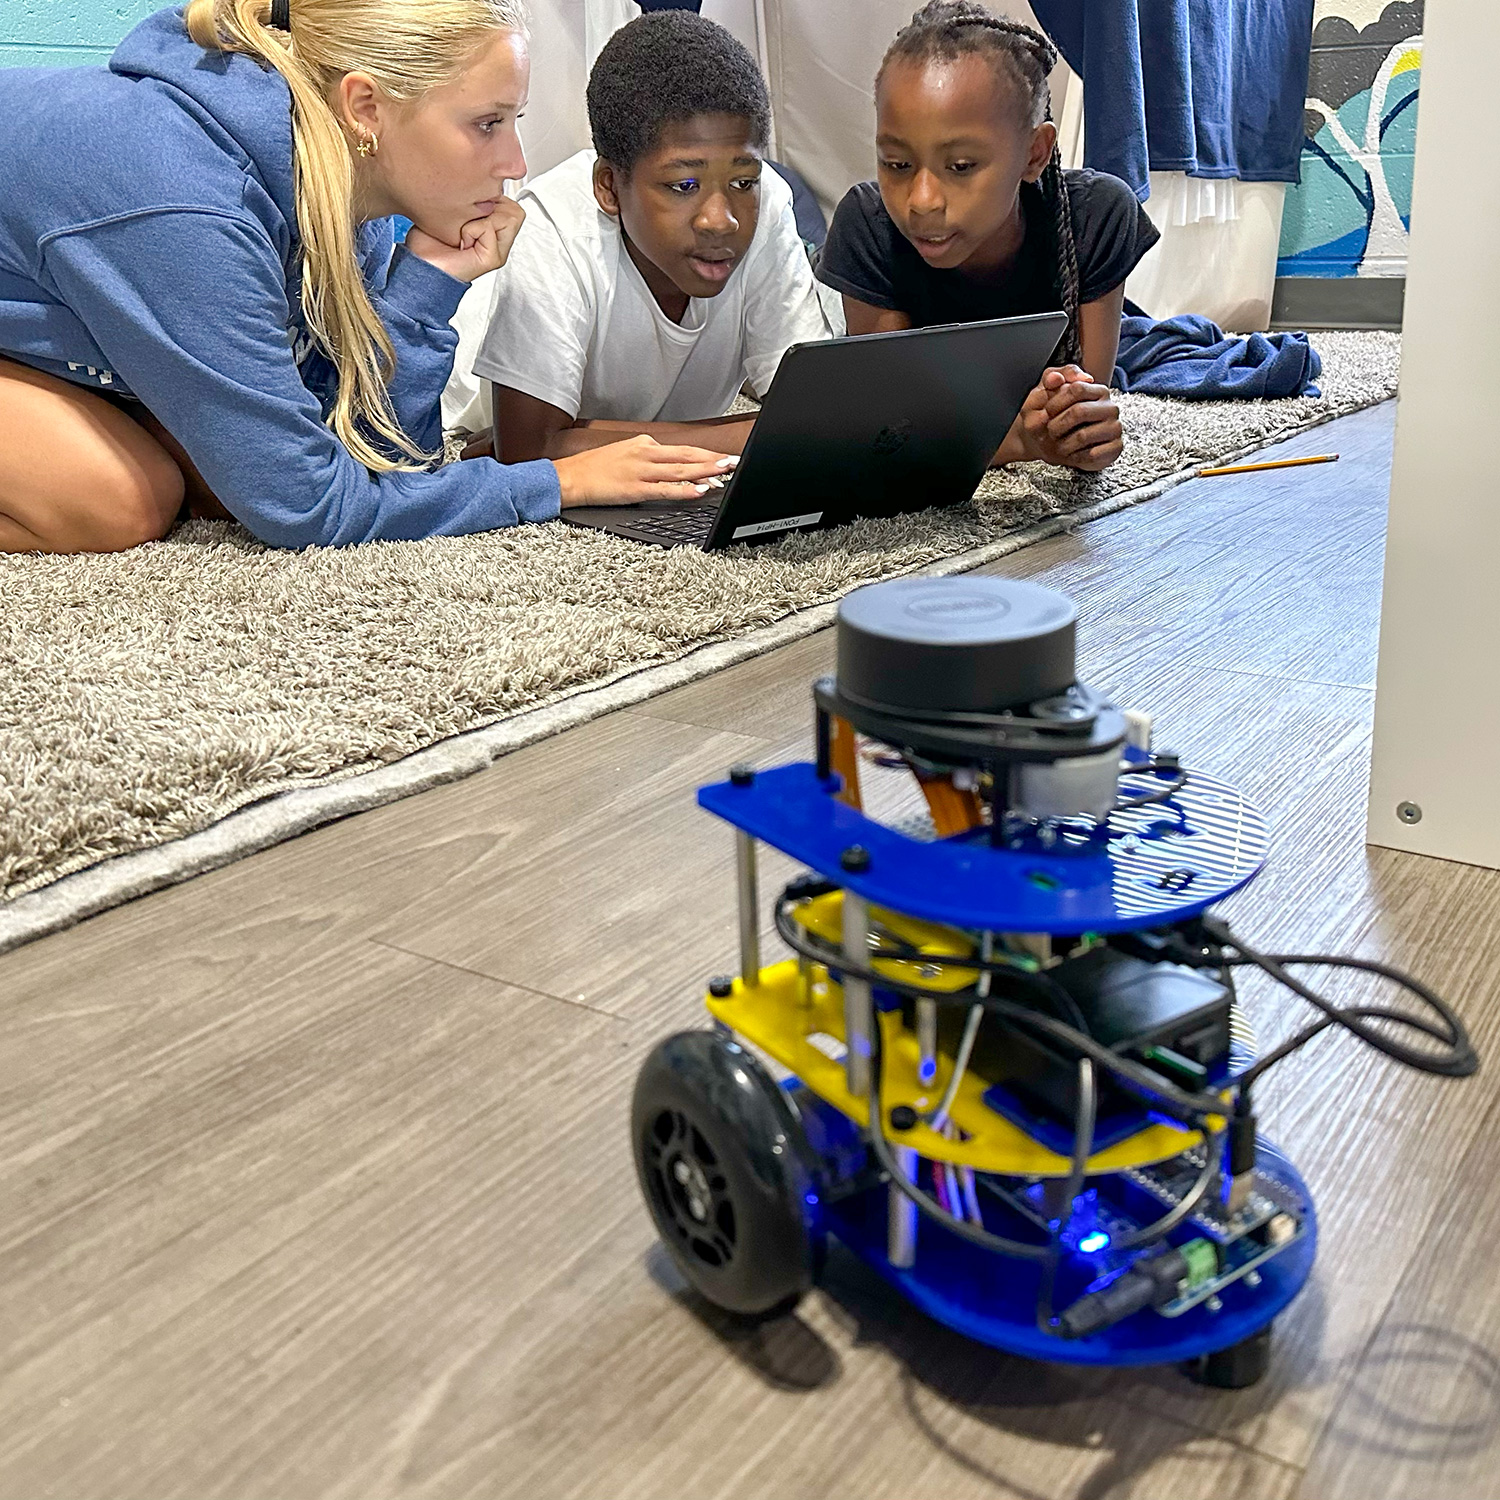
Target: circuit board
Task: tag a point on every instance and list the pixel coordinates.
(1101, 1219)
(1169, 1182)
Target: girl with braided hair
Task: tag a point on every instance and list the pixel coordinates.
(973, 217)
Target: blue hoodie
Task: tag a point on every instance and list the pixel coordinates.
(149, 248)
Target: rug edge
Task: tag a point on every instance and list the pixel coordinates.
(127, 877)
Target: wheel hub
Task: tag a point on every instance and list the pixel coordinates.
(689, 1175)
(691, 1190)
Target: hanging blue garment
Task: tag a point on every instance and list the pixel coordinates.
(1190, 357)
(1213, 88)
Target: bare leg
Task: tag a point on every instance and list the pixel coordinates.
(201, 502)
(77, 474)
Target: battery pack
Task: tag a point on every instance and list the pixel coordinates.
(1173, 1019)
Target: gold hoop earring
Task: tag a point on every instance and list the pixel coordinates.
(368, 145)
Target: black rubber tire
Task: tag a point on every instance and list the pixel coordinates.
(1234, 1368)
(727, 1173)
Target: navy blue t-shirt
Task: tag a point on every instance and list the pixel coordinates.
(867, 257)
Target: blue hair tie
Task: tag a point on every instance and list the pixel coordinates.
(281, 14)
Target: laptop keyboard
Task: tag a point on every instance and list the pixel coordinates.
(675, 526)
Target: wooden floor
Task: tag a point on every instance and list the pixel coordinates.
(316, 1179)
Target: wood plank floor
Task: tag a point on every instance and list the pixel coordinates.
(314, 1179)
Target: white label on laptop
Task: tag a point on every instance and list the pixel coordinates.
(761, 527)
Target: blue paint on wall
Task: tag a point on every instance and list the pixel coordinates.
(1350, 215)
(65, 33)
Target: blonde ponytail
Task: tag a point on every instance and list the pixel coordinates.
(408, 47)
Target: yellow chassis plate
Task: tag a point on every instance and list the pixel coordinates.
(797, 1017)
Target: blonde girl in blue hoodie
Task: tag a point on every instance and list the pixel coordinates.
(201, 299)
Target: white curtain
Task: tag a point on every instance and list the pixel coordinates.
(1217, 254)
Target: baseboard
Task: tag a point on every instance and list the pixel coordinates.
(1364, 302)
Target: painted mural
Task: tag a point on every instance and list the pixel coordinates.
(1352, 212)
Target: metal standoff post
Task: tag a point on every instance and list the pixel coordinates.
(901, 1215)
(749, 902)
(858, 1011)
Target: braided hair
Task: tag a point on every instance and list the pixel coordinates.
(948, 29)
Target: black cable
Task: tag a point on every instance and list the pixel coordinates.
(1084, 1118)
(1458, 1060)
(1045, 987)
(1169, 1221)
(1286, 1048)
(1160, 794)
(974, 1233)
(1132, 1075)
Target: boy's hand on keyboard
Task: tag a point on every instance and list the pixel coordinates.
(641, 469)
(1071, 420)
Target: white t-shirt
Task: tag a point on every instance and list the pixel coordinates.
(575, 325)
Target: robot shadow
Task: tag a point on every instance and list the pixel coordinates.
(1422, 1393)
(1057, 1404)
(785, 1352)
(1061, 1405)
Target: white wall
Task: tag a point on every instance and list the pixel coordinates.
(1437, 706)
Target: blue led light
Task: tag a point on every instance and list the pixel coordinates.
(1098, 1240)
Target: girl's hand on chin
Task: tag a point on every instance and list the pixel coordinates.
(483, 244)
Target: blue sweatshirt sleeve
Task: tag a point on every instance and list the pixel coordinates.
(416, 302)
(191, 309)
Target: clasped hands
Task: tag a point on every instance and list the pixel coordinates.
(1069, 420)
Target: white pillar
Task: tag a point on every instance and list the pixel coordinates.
(1434, 787)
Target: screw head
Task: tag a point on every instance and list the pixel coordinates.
(1408, 812)
(741, 775)
(721, 986)
(1213, 1304)
(855, 859)
(903, 1117)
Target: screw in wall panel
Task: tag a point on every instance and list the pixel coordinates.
(1408, 812)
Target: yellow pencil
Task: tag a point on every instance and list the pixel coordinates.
(1275, 463)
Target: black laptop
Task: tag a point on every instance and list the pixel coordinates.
(871, 426)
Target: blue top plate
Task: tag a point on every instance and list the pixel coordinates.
(1146, 867)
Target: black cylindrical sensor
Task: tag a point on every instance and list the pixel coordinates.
(955, 645)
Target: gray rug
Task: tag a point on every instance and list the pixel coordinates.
(167, 710)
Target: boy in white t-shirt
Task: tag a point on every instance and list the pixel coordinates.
(653, 280)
